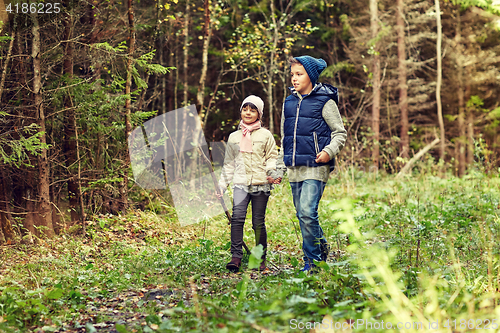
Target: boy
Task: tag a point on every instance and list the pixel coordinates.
(312, 134)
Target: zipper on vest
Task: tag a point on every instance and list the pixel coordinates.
(316, 146)
(295, 131)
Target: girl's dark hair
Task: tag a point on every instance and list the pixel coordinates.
(251, 105)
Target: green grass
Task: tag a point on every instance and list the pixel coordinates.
(419, 250)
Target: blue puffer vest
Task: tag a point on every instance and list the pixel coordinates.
(306, 132)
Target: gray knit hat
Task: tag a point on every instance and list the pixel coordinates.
(313, 67)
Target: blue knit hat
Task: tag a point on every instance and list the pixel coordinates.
(313, 67)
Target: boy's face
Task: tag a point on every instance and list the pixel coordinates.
(249, 115)
(300, 79)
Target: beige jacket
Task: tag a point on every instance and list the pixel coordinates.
(244, 168)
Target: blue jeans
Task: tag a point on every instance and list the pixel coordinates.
(306, 196)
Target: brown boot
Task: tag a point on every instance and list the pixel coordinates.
(234, 264)
(262, 266)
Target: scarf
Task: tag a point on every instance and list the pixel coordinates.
(246, 140)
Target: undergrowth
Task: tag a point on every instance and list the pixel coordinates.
(420, 252)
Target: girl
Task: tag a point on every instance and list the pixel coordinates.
(250, 163)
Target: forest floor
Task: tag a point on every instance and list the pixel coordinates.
(419, 254)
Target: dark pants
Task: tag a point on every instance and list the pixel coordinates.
(240, 205)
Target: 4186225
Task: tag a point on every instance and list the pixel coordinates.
(33, 8)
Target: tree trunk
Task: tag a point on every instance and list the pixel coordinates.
(403, 88)
(210, 102)
(21, 72)
(417, 156)
(194, 163)
(69, 123)
(161, 54)
(461, 100)
(5, 216)
(469, 125)
(169, 92)
(44, 209)
(90, 20)
(176, 84)
(186, 54)
(79, 178)
(4, 17)
(6, 64)
(30, 220)
(470, 137)
(2, 238)
(461, 123)
(272, 68)
(442, 145)
(183, 128)
(206, 43)
(26, 180)
(376, 85)
(128, 105)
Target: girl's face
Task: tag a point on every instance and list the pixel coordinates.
(300, 79)
(249, 115)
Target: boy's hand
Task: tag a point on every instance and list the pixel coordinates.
(322, 157)
(277, 181)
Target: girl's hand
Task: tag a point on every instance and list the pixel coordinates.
(271, 180)
(220, 192)
(322, 157)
